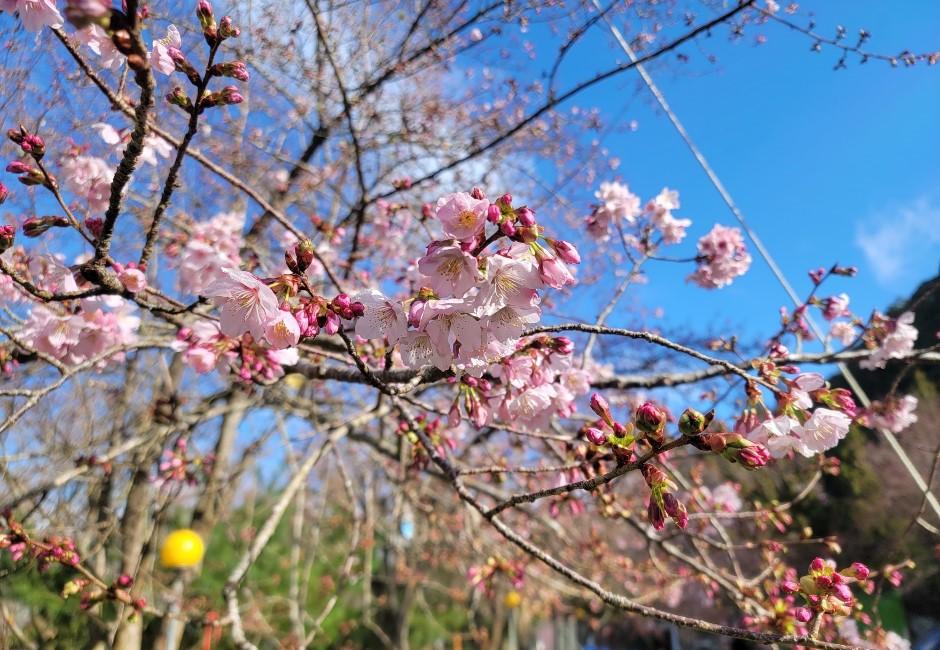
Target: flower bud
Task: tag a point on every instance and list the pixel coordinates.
(566, 252)
(789, 586)
(493, 213)
(94, 226)
(17, 167)
(525, 216)
(34, 146)
(227, 28)
(650, 418)
(655, 514)
(803, 614)
(600, 406)
(7, 235)
(303, 251)
(230, 95)
(596, 436)
(234, 69)
(478, 193)
(754, 456)
(860, 570)
(35, 226)
(843, 593)
(505, 200)
(507, 228)
(178, 98)
(4, 193)
(817, 564)
(207, 21)
(692, 423)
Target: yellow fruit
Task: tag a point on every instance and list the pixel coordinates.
(295, 380)
(182, 549)
(512, 600)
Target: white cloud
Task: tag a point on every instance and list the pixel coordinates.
(903, 242)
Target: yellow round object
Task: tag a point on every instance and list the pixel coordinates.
(182, 549)
(295, 380)
(512, 600)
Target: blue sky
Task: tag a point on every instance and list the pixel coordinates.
(828, 166)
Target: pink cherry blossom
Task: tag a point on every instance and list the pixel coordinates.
(160, 58)
(90, 178)
(382, 318)
(212, 246)
(802, 385)
(246, 303)
(824, 429)
(512, 278)
(554, 273)
(35, 14)
(894, 415)
(660, 209)
(461, 215)
(781, 436)
(843, 331)
(897, 342)
(448, 269)
(617, 203)
(282, 331)
(722, 257)
(133, 279)
(98, 41)
(836, 306)
(418, 351)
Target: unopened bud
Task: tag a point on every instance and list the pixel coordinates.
(227, 28)
(493, 213)
(650, 418)
(234, 69)
(207, 21)
(525, 216)
(178, 98)
(183, 65)
(596, 436)
(35, 226)
(566, 252)
(478, 193)
(600, 406)
(7, 235)
(692, 423)
(4, 193)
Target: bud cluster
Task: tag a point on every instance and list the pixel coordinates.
(663, 501)
(826, 590)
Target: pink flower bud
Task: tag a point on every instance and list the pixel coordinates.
(843, 593)
(4, 193)
(554, 273)
(493, 213)
(478, 193)
(789, 586)
(803, 614)
(566, 251)
(17, 167)
(600, 406)
(650, 418)
(596, 436)
(7, 235)
(861, 571)
(507, 228)
(817, 564)
(525, 216)
(655, 514)
(505, 200)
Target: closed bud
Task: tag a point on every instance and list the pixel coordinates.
(790, 587)
(650, 418)
(525, 216)
(35, 226)
(493, 213)
(227, 28)
(4, 193)
(17, 167)
(508, 228)
(34, 146)
(178, 98)
(653, 475)
(7, 235)
(596, 436)
(692, 423)
(234, 69)
(478, 193)
(860, 571)
(566, 252)
(94, 226)
(230, 95)
(602, 408)
(304, 252)
(655, 514)
(817, 564)
(803, 614)
(207, 21)
(670, 504)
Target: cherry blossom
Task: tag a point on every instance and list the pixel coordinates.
(893, 414)
(892, 339)
(246, 303)
(824, 429)
(461, 215)
(160, 57)
(35, 14)
(382, 318)
(617, 203)
(722, 257)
